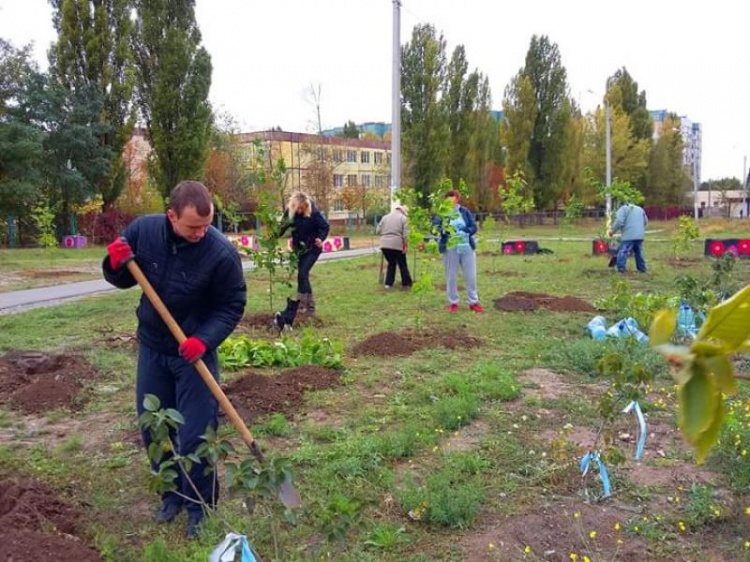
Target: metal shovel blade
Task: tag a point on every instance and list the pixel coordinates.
(289, 495)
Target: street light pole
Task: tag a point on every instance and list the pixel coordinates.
(396, 104)
(695, 185)
(608, 115)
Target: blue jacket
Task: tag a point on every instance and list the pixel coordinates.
(470, 229)
(201, 284)
(632, 221)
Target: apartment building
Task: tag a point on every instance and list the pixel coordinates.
(312, 159)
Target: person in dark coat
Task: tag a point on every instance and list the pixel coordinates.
(309, 230)
(198, 274)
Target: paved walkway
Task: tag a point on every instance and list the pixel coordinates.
(20, 301)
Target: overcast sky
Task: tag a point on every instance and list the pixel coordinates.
(691, 57)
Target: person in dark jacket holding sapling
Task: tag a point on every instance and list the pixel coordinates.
(198, 275)
(309, 230)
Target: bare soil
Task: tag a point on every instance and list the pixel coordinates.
(264, 322)
(255, 395)
(35, 524)
(392, 344)
(552, 533)
(34, 382)
(521, 301)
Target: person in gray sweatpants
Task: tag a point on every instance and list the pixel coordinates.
(460, 252)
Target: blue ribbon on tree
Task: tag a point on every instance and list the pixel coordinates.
(634, 406)
(586, 464)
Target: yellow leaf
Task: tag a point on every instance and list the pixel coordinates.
(709, 437)
(729, 322)
(662, 327)
(721, 368)
(706, 348)
(698, 398)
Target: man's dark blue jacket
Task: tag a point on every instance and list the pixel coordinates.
(201, 284)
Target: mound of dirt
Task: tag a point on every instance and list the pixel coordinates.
(391, 344)
(523, 301)
(34, 524)
(255, 395)
(34, 382)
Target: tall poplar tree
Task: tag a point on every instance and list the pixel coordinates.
(93, 55)
(425, 131)
(174, 79)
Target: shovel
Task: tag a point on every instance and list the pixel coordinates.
(288, 494)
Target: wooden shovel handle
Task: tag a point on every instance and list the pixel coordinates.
(199, 365)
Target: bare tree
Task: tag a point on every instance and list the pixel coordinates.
(312, 96)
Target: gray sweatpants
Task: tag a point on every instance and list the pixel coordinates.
(468, 262)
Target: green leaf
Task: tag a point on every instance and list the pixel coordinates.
(155, 452)
(698, 398)
(174, 415)
(662, 327)
(706, 349)
(721, 368)
(708, 438)
(151, 403)
(729, 322)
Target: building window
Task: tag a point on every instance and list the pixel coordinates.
(321, 154)
(388, 157)
(338, 180)
(365, 180)
(380, 181)
(338, 155)
(351, 180)
(338, 205)
(378, 158)
(351, 156)
(365, 157)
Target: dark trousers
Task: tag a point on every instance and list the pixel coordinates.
(626, 246)
(178, 385)
(396, 258)
(304, 265)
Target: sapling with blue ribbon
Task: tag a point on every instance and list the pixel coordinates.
(586, 464)
(229, 547)
(635, 407)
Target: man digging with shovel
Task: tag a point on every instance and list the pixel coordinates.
(198, 275)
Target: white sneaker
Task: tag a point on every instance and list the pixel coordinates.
(388, 286)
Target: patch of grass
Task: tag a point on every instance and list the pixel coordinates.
(452, 412)
(447, 499)
(277, 425)
(385, 536)
(73, 444)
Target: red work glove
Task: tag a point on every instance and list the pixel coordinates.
(192, 349)
(119, 253)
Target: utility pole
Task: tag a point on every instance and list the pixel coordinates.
(608, 115)
(396, 104)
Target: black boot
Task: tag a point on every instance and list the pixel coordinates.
(287, 316)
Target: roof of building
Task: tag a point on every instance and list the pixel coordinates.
(302, 138)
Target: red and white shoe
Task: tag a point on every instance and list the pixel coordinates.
(476, 307)
(453, 308)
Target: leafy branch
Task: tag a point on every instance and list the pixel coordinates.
(703, 370)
